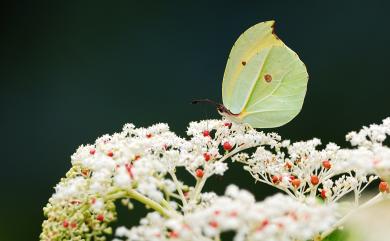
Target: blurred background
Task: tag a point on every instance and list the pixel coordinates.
(71, 72)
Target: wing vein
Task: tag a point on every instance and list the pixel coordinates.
(273, 91)
(257, 80)
(263, 111)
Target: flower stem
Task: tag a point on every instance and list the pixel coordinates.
(178, 188)
(148, 202)
(140, 198)
(198, 188)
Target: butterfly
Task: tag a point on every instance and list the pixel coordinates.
(265, 82)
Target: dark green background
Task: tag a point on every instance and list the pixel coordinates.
(71, 72)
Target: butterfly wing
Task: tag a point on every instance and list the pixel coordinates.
(279, 92)
(269, 90)
(238, 78)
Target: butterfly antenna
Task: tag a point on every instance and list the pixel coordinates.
(204, 101)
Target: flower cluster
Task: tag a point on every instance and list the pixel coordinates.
(371, 155)
(277, 218)
(139, 164)
(302, 169)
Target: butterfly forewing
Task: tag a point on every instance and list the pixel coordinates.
(247, 46)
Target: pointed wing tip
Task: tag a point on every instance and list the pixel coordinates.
(270, 22)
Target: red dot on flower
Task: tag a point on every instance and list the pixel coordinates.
(137, 157)
(383, 187)
(288, 165)
(326, 164)
(217, 212)
(314, 180)
(293, 215)
(173, 234)
(323, 194)
(186, 194)
(85, 172)
(149, 135)
(129, 169)
(110, 154)
(276, 179)
(92, 151)
(296, 183)
(280, 225)
(206, 133)
(264, 223)
(206, 156)
(100, 217)
(73, 224)
(228, 124)
(227, 146)
(65, 224)
(199, 173)
(186, 226)
(214, 224)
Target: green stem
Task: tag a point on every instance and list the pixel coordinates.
(140, 198)
(148, 202)
(166, 204)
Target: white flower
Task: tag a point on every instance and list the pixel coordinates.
(139, 164)
(98, 205)
(220, 168)
(277, 218)
(122, 178)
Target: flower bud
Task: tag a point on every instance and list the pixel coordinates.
(227, 146)
(314, 180)
(383, 187)
(296, 183)
(199, 173)
(326, 164)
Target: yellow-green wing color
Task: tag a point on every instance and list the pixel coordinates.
(265, 81)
